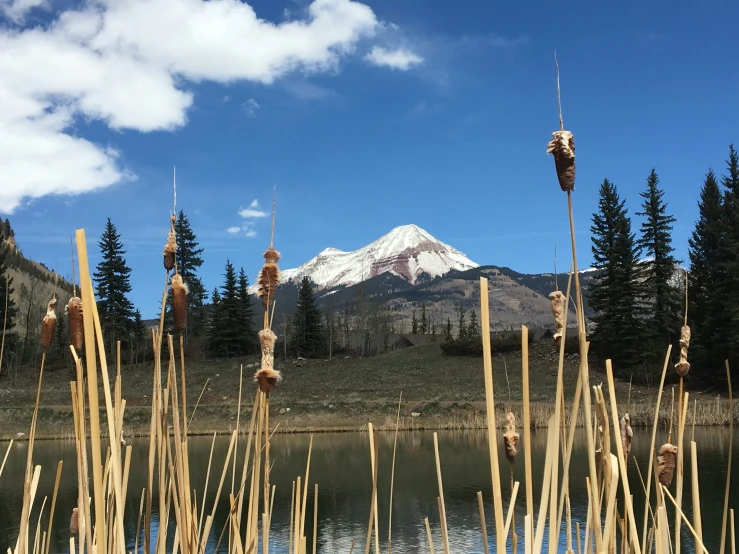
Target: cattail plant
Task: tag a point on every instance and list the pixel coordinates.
(74, 526)
(683, 366)
(559, 310)
(626, 434)
(510, 437)
(269, 277)
(74, 323)
(48, 325)
(267, 376)
(666, 463)
(171, 247)
(178, 288)
(562, 146)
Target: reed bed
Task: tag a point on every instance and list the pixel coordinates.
(187, 520)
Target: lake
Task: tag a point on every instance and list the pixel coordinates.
(340, 465)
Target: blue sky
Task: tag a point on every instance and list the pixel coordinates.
(365, 116)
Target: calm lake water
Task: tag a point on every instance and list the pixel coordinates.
(340, 464)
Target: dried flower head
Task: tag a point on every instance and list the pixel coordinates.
(626, 434)
(562, 146)
(558, 300)
(74, 323)
(48, 325)
(267, 376)
(510, 437)
(170, 249)
(666, 463)
(269, 277)
(74, 526)
(683, 366)
(179, 302)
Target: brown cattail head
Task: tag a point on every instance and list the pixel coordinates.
(74, 525)
(269, 277)
(626, 434)
(170, 248)
(563, 148)
(666, 463)
(558, 300)
(267, 376)
(74, 323)
(683, 366)
(510, 437)
(179, 302)
(48, 325)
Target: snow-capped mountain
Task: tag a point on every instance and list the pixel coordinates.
(407, 251)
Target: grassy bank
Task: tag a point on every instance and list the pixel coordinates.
(345, 393)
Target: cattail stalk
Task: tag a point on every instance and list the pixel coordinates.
(75, 323)
(666, 463)
(179, 302)
(48, 325)
(626, 434)
(170, 249)
(559, 306)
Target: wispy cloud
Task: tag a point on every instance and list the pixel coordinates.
(307, 90)
(252, 211)
(250, 233)
(425, 107)
(250, 107)
(400, 58)
(233, 230)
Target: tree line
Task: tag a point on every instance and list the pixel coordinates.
(639, 294)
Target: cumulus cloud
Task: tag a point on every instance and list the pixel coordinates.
(233, 230)
(252, 211)
(106, 61)
(396, 59)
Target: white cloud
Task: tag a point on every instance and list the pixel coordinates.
(252, 211)
(250, 107)
(396, 59)
(106, 61)
(233, 230)
(251, 233)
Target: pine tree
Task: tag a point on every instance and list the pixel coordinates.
(617, 293)
(414, 324)
(308, 324)
(656, 242)
(249, 337)
(189, 260)
(6, 285)
(424, 327)
(448, 331)
(230, 314)
(473, 329)
(728, 264)
(139, 329)
(215, 341)
(113, 283)
(462, 334)
(706, 306)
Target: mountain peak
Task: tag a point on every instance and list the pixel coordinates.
(407, 251)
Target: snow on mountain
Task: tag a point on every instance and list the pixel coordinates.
(407, 251)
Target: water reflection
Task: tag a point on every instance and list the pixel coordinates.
(340, 465)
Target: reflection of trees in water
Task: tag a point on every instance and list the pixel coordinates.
(340, 465)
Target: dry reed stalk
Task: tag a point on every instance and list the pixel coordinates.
(5, 458)
(442, 504)
(647, 505)
(728, 470)
(695, 491)
(179, 302)
(526, 420)
(50, 525)
(733, 534)
(374, 465)
(546, 486)
(48, 325)
(75, 323)
(315, 517)
(490, 411)
(5, 323)
(681, 449)
(428, 535)
(392, 477)
(700, 546)
(483, 524)
(622, 460)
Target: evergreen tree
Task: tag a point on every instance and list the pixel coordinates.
(414, 324)
(249, 337)
(308, 324)
(473, 329)
(656, 242)
(215, 341)
(462, 334)
(617, 293)
(728, 264)
(113, 283)
(189, 260)
(230, 315)
(424, 327)
(139, 329)
(448, 331)
(706, 306)
(6, 285)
